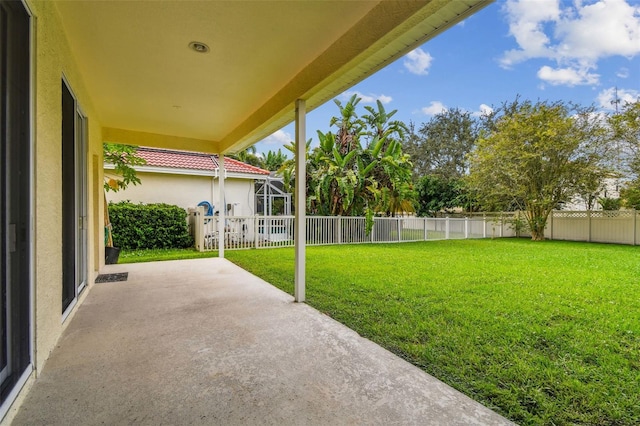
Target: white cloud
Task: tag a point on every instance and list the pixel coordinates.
(575, 36)
(623, 73)
(435, 107)
(418, 62)
(604, 28)
(567, 76)
(483, 109)
(385, 99)
(526, 19)
(606, 98)
(367, 99)
(278, 138)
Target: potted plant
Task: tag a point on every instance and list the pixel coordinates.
(123, 158)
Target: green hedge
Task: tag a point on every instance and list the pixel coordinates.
(149, 226)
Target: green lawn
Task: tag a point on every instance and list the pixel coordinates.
(543, 333)
(137, 256)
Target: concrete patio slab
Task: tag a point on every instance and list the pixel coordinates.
(201, 342)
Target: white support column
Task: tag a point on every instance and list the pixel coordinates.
(301, 201)
(223, 206)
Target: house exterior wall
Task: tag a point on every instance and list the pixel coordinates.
(610, 189)
(52, 59)
(187, 191)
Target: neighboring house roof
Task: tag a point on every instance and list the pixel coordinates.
(197, 161)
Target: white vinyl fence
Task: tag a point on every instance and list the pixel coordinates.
(620, 227)
(278, 231)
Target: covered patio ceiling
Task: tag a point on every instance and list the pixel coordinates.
(149, 87)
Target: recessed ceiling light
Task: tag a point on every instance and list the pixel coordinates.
(199, 47)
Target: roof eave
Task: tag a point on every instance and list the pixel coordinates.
(408, 25)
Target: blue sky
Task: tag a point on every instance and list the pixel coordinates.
(570, 50)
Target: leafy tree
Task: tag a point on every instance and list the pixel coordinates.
(248, 156)
(392, 176)
(273, 161)
(626, 127)
(589, 187)
(436, 194)
(287, 171)
(349, 125)
(441, 145)
(631, 195)
(534, 154)
(379, 125)
(349, 179)
(124, 158)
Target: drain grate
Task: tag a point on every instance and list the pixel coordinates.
(112, 278)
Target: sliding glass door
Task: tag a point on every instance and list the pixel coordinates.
(15, 195)
(74, 206)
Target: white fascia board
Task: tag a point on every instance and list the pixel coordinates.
(244, 176)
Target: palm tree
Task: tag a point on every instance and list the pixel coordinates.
(349, 125)
(343, 178)
(273, 161)
(393, 175)
(248, 156)
(380, 124)
(334, 180)
(287, 171)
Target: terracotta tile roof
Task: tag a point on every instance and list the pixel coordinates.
(157, 157)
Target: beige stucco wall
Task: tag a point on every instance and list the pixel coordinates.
(53, 59)
(187, 191)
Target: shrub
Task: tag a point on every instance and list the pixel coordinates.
(610, 203)
(149, 226)
(518, 224)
